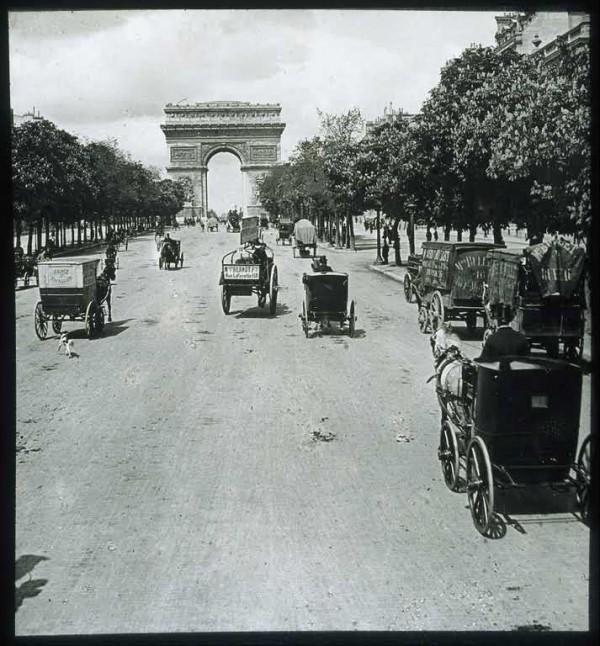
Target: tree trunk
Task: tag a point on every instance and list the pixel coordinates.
(472, 231)
(30, 240)
(447, 230)
(459, 233)
(19, 227)
(497, 231)
(85, 231)
(396, 234)
(39, 234)
(351, 237)
(47, 228)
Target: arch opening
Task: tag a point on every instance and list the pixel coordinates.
(225, 189)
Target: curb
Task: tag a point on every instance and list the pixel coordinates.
(389, 271)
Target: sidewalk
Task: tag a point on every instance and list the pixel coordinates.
(397, 273)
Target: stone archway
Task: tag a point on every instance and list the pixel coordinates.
(196, 132)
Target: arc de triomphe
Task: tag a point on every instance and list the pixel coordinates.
(196, 132)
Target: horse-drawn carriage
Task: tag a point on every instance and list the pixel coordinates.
(212, 224)
(326, 299)
(170, 254)
(249, 269)
(71, 289)
(305, 236)
(541, 289)
(512, 423)
(233, 222)
(285, 229)
(411, 277)
(451, 282)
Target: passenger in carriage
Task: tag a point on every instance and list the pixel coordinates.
(505, 341)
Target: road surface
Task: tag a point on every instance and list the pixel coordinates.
(191, 471)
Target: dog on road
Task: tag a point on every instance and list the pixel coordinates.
(67, 344)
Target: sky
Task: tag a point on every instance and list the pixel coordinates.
(109, 74)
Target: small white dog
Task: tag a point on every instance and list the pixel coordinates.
(67, 344)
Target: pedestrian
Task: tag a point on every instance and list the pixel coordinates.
(385, 251)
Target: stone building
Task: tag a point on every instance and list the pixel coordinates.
(18, 119)
(390, 114)
(536, 32)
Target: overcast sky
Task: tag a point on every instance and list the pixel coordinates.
(108, 74)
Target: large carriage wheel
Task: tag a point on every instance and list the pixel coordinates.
(40, 322)
(273, 291)
(94, 319)
(304, 320)
(225, 299)
(423, 318)
(448, 456)
(352, 318)
(56, 325)
(408, 293)
(582, 480)
(480, 485)
(471, 321)
(437, 311)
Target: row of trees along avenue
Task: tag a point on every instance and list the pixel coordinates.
(503, 138)
(61, 185)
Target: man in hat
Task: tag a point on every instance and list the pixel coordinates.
(504, 341)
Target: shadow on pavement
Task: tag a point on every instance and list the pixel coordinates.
(110, 329)
(263, 312)
(32, 587)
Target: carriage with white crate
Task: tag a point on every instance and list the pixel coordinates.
(71, 289)
(250, 269)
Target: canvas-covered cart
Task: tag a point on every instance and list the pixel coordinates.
(305, 236)
(451, 282)
(541, 289)
(68, 290)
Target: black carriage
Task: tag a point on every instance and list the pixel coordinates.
(70, 289)
(246, 271)
(285, 229)
(170, 254)
(411, 278)
(542, 289)
(326, 299)
(451, 282)
(305, 237)
(507, 424)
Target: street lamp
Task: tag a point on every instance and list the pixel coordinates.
(411, 226)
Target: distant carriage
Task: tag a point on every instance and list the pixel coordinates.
(170, 254)
(212, 224)
(450, 283)
(285, 229)
(233, 222)
(542, 289)
(70, 289)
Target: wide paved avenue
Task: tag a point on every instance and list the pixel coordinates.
(192, 471)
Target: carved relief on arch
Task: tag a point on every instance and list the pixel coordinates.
(240, 150)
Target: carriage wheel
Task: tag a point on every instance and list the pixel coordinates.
(408, 293)
(437, 311)
(40, 322)
(93, 323)
(471, 321)
(273, 291)
(304, 320)
(225, 299)
(56, 325)
(448, 456)
(582, 480)
(352, 318)
(480, 485)
(423, 318)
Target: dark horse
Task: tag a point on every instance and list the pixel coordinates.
(103, 287)
(169, 253)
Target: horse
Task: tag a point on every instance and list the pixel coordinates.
(103, 288)
(454, 375)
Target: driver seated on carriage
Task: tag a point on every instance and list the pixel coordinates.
(319, 264)
(505, 341)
